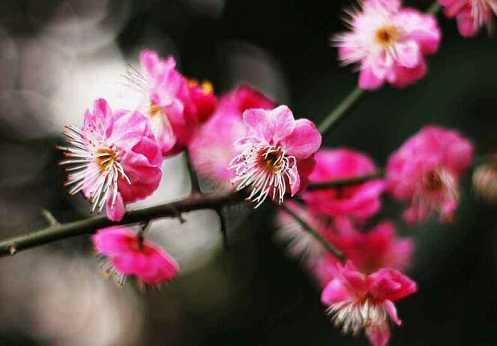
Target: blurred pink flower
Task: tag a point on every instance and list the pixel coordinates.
(113, 159)
(130, 256)
(425, 171)
(366, 302)
(471, 15)
(276, 154)
(388, 42)
(212, 147)
(176, 106)
(357, 202)
(369, 251)
(300, 243)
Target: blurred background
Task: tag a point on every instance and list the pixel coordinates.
(56, 56)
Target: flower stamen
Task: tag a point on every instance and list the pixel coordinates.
(267, 169)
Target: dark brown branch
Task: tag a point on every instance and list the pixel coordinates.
(345, 182)
(90, 225)
(194, 202)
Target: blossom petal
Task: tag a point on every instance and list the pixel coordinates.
(392, 312)
(115, 211)
(378, 336)
(304, 141)
(334, 292)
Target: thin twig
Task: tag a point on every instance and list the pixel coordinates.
(333, 118)
(345, 182)
(433, 9)
(329, 247)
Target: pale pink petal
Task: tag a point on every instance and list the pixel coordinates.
(258, 120)
(282, 123)
(408, 54)
(368, 80)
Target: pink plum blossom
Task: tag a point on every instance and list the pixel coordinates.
(357, 301)
(176, 106)
(212, 147)
(388, 43)
(425, 172)
(128, 255)
(371, 250)
(114, 159)
(357, 202)
(471, 15)
(276, 154)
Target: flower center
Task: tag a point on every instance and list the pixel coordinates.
(437, 189)
(154, 110)
(433, 181)
(273, 160)
(266, 169)
(105, 158)
(387, 35)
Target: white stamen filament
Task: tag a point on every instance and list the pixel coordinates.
(481, 11)
(352, 317)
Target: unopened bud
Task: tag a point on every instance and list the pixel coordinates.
(485, 182)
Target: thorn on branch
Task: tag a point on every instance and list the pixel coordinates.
(223, 228)
(52, 221)
(179, 215)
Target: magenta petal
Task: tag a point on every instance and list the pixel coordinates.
(304, 141)
(112, 241)
(390, 284)
(378, 336)
(149, 60)
(466, 26)
(334, 292)
(392, 312)
(115, 211)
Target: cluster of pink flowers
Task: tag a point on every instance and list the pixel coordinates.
(425, 171)
(116, 157)
(246, 142)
